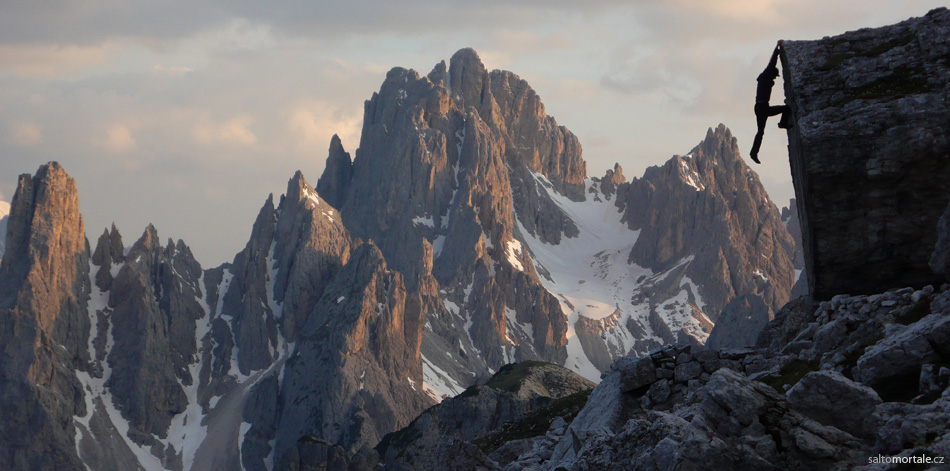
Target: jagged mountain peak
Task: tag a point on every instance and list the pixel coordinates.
(714, 163)
(611, 179)
(708, 211)
(335, 180)
(147, 242)
(486, 245)
(300, 195)
(44, 286)
(468, 78)
(467, 57)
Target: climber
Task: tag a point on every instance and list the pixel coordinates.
(762, 109)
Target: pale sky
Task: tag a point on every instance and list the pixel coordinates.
(187, 114)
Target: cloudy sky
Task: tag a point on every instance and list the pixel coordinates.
(187, 114)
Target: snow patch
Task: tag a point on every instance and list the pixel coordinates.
(591, 277)
(312, 196)
(690, 176)
(436, 379)
(513, 252)
(423, 221)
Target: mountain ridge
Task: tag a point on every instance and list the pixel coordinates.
(466, 236)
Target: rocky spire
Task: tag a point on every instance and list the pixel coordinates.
(109, 251)
(335, 181)
(357, 371)
(710, 206)
(44, 286)
(612, 179)
(292, 254)
(154, 312)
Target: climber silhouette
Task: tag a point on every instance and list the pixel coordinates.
(762, 109)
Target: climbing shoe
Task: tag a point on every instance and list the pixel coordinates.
(785, 122)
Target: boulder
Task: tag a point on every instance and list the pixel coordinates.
(636, 373)
(903, 353)
(833, 400)
(869, 152)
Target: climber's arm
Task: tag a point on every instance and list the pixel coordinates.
(774, 60)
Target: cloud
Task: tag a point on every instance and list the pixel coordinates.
(171, 71)
(25, 135)
(524, 40)
(45, 60)
(314, 124)
(236, 130)
(82, 22)
(118, 140)
(742, 10)
(262, 87)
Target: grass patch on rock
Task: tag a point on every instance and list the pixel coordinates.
(790, 374)
(510, 376)
(536, 423)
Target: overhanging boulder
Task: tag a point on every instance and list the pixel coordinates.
(869, 152)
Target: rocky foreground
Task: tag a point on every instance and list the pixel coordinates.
(829, 386)
(847, 383)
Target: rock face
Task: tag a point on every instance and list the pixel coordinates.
(463, 237)
(446, 161)
(711, 195)
(478, 415)
(482, 202)
(707, 215)
(356, 373)
(849, 372)
(44, 286)
(832, 399)
(4, 210)
(741, 321)
(793, 223)
(869, 152)
(940, 259)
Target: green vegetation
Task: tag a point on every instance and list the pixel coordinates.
(837, 59)
(790, 374)
(468, 392)
(536, 423)
(399, 438)
(510, 376)
(901, 83)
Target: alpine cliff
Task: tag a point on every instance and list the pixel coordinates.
(465, 235)
(869, 154)
(4, 210)
(463, 171)
(857, 381)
